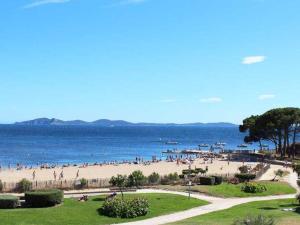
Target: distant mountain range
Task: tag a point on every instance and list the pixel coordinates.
(112, 123)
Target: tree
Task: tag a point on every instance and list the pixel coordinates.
(136, 178)
(276, 125)
(119, 181)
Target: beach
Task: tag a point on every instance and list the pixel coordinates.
(220, 167)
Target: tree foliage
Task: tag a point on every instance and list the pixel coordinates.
(279, 126)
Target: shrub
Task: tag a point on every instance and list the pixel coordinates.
(253, 188)
(245, 176)
(1, 186)
(44, 198)
(298, 198)
(136, 179)
(187, 172)
(278, 173)
(201, 171)
(83, 183)
(233, 180)
(24, 185)
(181, 176)
(9, 202)
(243, 169)
(125, 208)
(207, 180)
(172, 178)
(259, 220)
(296, 168)
(153, 178)
(218, 180)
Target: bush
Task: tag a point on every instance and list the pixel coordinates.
(200, 170)
(83, 183)
(233, 180)
(172, 178)
(1, 186)
(125, 208)
(153, 178)
(218, 180)
(245, 176)
(243, 169)
(187, 172)
(136, 179)
(253, 188)
(24, 185)
(298, 198)
(9, 202)
(207, 180)
(43, 198)
(259, 220)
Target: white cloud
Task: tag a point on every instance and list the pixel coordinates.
(211, 100)
(168, 100)
(44, 2)
(253, 59)
(266, 97)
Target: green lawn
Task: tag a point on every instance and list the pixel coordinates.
(229, 190)
(73, 212)
(268, 208)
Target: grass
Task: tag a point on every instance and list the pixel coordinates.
(268, 208)
(230, 190)
(73, 212)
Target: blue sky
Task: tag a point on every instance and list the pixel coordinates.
(151, 60)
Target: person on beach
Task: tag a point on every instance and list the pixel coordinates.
(62, 175)
(77, 174)
(54, 175)
(33, 175)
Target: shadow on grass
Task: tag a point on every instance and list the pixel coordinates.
(268, 208)
(288, 205)
(99, 199)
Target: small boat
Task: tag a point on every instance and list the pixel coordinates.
(220, 144)
(204, 145)
(171, 143)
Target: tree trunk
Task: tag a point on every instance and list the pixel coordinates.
(280, 144)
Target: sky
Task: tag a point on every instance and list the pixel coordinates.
(148, 60)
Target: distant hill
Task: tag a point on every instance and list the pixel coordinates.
(112, 123)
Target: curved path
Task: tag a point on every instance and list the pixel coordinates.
(217, 204)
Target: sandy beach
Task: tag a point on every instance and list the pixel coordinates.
(106, 171)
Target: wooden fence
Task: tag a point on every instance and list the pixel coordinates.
(61, 184)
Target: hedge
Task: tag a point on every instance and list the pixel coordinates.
(245, 176)
(218, 180)
(43, 198)
(207, 180)
(9, 202)
(125, 208)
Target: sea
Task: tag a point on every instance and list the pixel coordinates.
(32, 145)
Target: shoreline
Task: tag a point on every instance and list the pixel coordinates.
(219, 166)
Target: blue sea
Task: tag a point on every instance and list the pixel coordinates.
(30, 145)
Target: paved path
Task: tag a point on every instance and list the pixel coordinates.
(217, 204)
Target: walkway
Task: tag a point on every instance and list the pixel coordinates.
(217, 204)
